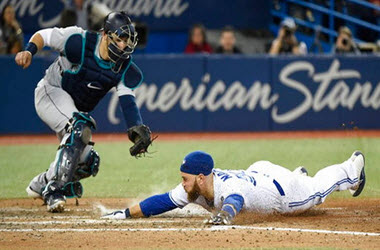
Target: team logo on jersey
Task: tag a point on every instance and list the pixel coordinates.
(93, 86)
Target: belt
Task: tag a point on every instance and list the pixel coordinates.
(279, 188)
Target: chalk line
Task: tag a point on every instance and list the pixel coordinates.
(88, 221)
(62, 217)
(212, 228)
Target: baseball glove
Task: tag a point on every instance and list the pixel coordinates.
(140, 135)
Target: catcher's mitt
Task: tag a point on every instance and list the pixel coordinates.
(140, 135)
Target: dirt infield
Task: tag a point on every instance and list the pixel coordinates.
(348, 223)
(33, 139)
(341, 223)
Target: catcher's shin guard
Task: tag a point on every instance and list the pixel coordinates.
(89, 167)
(73, 143)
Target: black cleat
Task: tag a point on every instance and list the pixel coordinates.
(301, 171)
(55, 202)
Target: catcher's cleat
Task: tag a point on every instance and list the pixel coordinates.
(301, 171)
(358, 161)
(55, 202)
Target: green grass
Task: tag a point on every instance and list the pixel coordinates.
(121, 175)
(267, 248)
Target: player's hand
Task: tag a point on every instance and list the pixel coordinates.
(222, 218)
(23, 59)
(281, 34)
(116, 215)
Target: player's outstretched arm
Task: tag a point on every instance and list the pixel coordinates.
(153, 205)
(24, 58)
(231, 207)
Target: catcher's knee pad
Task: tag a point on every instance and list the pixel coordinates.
(89, 167)
(78, 136)
(79, 127)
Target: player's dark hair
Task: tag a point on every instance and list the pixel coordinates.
(68, 18)
(228, 28)
(2, 22)
(203, 31)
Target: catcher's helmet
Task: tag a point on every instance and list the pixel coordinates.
(117, 25)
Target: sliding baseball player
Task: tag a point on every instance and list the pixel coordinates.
(263, 188)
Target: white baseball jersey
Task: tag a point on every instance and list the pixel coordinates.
(267, 187)
(257, 189)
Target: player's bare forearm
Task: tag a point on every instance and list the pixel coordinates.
(275, 48)
(136, 212)
(37, 40)
(24, 58)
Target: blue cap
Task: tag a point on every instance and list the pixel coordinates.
(197, 162)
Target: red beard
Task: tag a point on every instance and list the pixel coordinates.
(193, 194)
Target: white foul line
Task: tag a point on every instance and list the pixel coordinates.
(212, 228)
(44, 217)
(87, 221)
(18, 209)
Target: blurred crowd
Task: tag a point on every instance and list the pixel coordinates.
(89, 15)
(11, 35)
(286, 41)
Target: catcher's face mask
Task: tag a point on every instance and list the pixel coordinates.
(122, 43)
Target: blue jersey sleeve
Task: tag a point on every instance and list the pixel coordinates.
(157, 204)
(130, 110)
(233, 204)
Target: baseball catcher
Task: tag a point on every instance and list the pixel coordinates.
(263, 188)
(89, 65)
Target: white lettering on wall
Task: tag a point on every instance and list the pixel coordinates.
(221, 95)
(111, 112)
(157, 8)
(31, 8)
(284, 78)
(339, 95)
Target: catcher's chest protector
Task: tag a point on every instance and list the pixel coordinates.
(94, 77)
